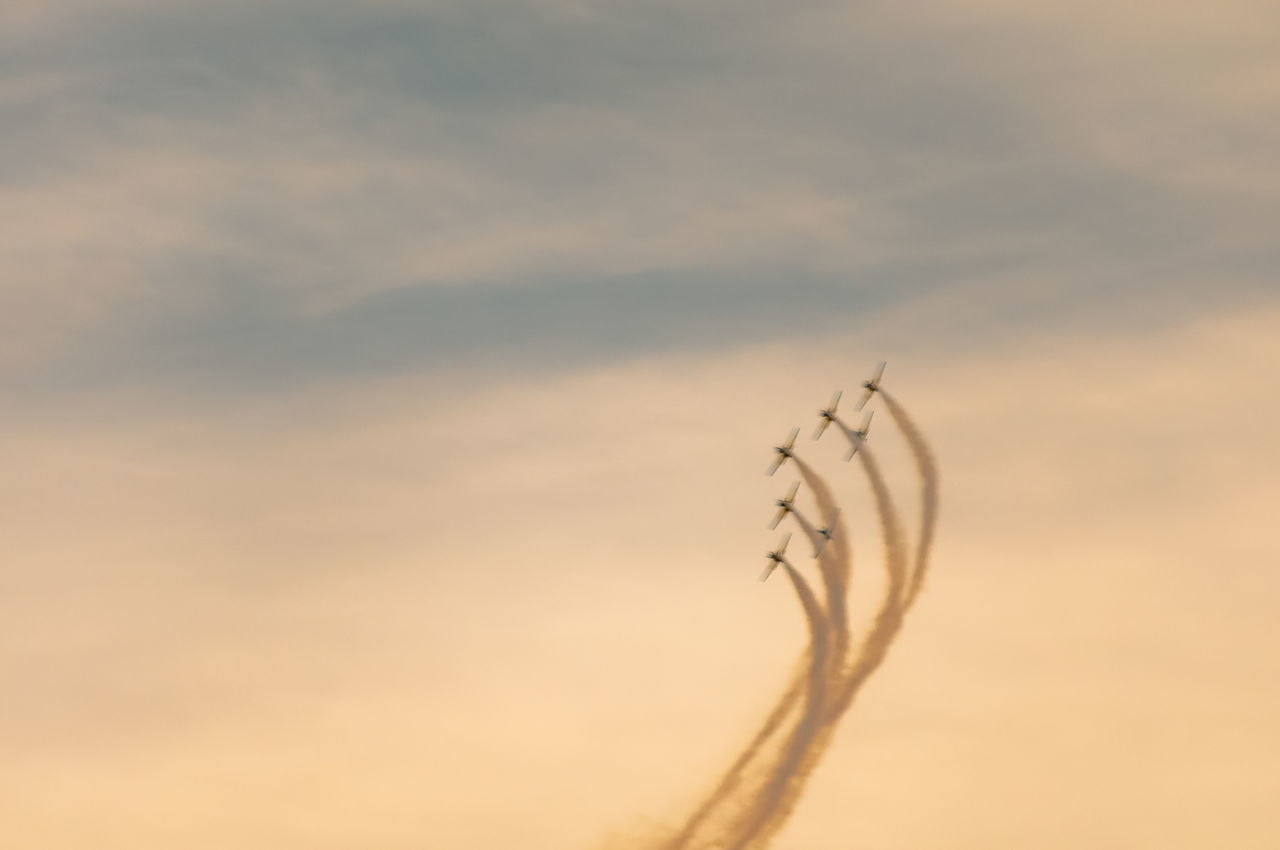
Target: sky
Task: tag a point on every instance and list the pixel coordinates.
(385, 392)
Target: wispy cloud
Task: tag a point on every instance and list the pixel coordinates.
(310, 157)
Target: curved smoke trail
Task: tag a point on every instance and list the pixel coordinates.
(774, 812)
(834, 587)
(798, 745)
(807, 527)
(848, 435)
(733, 776)
(900, 591)
(928, 471)
(836, 562)
(888, 619)
(833, 681)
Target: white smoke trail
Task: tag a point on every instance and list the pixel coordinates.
(848, 433)
(733, 776)
(773, 813)
(815, 539)
(927, 468)
(900, 592)
(836, 562)
(834, 587)
(833, 681)
(798, 745)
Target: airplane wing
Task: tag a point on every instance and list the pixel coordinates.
(773, 467)
(819, 545)
(768, 570)
(835, 400)
(822, 427)
(795, 489)
(785, 541)
(866, 424)
(879, 372)
(866, 397)
(853, 450)
(778, 518)
(792, 441)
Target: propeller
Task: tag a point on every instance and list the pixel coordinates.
(873, 384)
(827, 414)
(775, 558)
(784, 451)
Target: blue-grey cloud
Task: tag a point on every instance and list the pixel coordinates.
(262, 194)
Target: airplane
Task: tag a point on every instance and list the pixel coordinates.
(784, 452)
(858, 437)
(785, 505)
(828, 414)
(826, 534)
(872, 385)
(777, 556)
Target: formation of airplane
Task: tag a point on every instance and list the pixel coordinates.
(786, 505)
(777, 556)
(785, 451)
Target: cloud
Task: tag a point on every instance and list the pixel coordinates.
(179, 167)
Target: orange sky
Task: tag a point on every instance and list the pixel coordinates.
(385, 394)
(349, 617)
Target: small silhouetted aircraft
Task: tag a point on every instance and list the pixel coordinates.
(785, 505)
(825, 534)
(784, 452)
(858, 437)
(828, 414)
(872, 385)
(777, 556)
